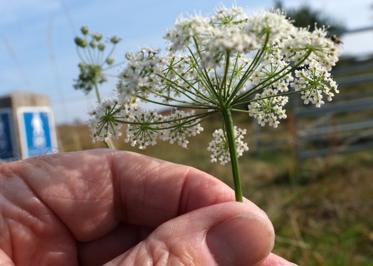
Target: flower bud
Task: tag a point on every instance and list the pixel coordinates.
(97, 36)
(93, 44)
(84, 30)
(101, 47)
(115, 40)
(109, 61)
(80, 42)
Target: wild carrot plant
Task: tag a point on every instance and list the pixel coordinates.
(223, 64)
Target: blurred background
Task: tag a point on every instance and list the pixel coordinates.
(313, 175)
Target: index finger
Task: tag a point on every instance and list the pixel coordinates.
(92, 191)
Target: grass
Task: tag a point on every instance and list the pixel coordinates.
(322, 211)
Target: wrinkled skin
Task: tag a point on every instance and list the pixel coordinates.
(119, 208)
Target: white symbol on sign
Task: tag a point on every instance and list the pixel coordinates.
(3, 138)
(38, 134)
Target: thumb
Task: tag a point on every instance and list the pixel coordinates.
(5, 260)
(228, 234)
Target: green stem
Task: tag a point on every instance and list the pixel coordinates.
(110, 144)
(224, 81)
(229, 127)
(98, 97)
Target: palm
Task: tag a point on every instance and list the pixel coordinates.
(92, 208)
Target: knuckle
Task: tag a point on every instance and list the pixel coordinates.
(157, 252)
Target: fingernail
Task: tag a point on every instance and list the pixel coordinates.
(241, 240)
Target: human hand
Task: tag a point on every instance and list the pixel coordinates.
(121, 208)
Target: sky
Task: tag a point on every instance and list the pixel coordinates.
(37, 52)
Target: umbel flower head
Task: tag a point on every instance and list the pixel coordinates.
(91, 48)
(225, 63)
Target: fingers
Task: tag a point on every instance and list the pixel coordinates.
(5, 260)
(122, 238)
(274, 260)
(154, 191)
(91, 192)
(233, 234)
(76, 187)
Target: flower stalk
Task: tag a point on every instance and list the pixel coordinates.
(229, 127)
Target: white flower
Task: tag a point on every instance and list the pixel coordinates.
(231, 39)
(140, 75)
(143, 128)
(269, 71)
(185, 30)
(323, 50)
(229, 17)
(273, 23)
(175, 76)
(219, 149)
(104, 122)
(315, 83)
(228, 34)
(181, 127)
(268, 108)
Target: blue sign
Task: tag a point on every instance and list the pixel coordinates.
(38, 133)
(7, 147)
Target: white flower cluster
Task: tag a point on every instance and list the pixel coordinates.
(181, 36)
(176, 76)
(229, 29)
(181, 128)
(219, 64)
(233, 16)
(275, 24)
(104, 122)
(233, 30)
(227, 34)
(229, 39)
(140, 75)
(142, 128)
(268, 108)
(268, 70)
(215, 35)
(315, 84)
(322, 50)
(219, 149)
